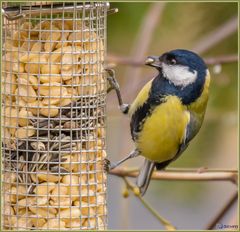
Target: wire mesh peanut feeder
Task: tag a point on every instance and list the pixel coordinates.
(53, 116)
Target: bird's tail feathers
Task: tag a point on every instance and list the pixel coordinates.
(144, 176)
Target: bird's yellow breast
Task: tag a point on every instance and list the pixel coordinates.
(163, 131)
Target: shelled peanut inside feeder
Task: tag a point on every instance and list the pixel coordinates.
(53, 120)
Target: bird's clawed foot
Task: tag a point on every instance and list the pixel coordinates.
(124, 108)
(113, 85)
(107, 165)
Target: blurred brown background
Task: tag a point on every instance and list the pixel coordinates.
(142, 29)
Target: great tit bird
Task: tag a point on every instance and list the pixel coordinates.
(168, 112)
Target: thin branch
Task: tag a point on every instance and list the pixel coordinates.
(196, 170)
(149, 23)
(162, 220)
(216, 36)
(222, 212)
(143, 40)
(199, 170)
(222, 59)
(202, 175)
(114, 60)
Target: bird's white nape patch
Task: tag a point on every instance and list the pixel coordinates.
(179, 75)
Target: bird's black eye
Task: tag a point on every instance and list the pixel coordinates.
(172, 61)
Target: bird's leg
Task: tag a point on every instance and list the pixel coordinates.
(109, 166)
(114, 85)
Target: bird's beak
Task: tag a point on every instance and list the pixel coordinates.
(153, 61)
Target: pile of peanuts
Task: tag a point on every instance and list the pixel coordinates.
(46, 67)
(45, 71)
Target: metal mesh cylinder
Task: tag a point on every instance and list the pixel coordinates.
(53, 116)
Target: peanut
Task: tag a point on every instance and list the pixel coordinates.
(24, 116)
(44, 188)
(35, 64)
(25, 132)
(26, 91)
(54, 223)
(52, 89)
(30, 80)
(46, 78)
(48, 177)
(9, 84)
(10, 119)
(43, 212)
(49, 111)
(66, 214)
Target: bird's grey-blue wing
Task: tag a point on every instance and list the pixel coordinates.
(191, 130)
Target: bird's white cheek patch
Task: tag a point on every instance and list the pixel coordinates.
(179, 75)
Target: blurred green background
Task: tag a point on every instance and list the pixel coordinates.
(188, 205)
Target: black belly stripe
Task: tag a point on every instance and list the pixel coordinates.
(138, 119)
(142, 113)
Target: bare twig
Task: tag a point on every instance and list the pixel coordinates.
(216, 36)
(222, 212)
(200, 170)
(202, 175)
(135, 190)
(143, 39)
(231, 58)
(114, 60)
(149, 22)
(196, 170)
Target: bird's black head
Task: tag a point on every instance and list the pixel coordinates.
(181, 67)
